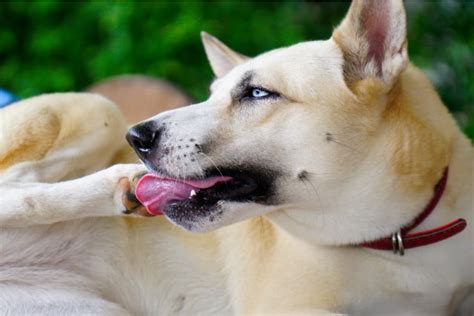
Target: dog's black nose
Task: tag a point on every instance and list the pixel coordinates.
(142, 137)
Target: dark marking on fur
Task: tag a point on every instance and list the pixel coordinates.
(205, 148)
(242, 86)
(329, 137)
(303, 175)
(106, 124)
(179, 304)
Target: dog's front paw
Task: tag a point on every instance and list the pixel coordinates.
(124, 196)
(126, 188)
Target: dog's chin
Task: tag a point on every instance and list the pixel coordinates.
(222, 214)
(200, 219)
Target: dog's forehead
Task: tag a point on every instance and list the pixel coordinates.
(313, 53)
(299, 65)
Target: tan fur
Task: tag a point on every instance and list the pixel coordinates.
(47, 124)
(30, 132)
(421, 149)
(254, 250)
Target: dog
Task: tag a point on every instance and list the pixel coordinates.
(324, 178)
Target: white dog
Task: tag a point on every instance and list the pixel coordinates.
(326, 156)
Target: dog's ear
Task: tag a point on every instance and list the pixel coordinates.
(372, 37)
(221, 57)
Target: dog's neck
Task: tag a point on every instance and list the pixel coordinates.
(404, 238)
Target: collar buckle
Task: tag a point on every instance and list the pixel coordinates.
(397, 243)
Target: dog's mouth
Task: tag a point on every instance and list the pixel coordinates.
(197, 197)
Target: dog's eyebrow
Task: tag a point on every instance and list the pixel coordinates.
(242, 85)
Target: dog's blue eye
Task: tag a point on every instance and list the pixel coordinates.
(259, 93)
(255, 93)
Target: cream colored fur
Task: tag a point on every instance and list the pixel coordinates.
(373, 139)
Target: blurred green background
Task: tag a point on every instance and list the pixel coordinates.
(51, 46)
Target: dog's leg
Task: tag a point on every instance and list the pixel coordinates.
(57, 137)
(52, 138)
(28, 300)
(106, 193)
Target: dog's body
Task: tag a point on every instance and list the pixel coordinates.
(349, 150)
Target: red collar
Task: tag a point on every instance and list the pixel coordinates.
(402, 239)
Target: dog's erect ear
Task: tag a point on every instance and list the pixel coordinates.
(221, 57)
(373, 39)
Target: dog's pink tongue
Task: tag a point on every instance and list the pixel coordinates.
(155, 192)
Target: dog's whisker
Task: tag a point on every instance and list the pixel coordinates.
(201, 173)
(179, 172)
(346, 146)
(182, 170)
(307, 180)
(331, 139)
(212, 162)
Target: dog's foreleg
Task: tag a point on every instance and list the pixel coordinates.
(105, 193)
(59, 137)
(19, 299)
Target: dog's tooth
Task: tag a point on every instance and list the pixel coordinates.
(192, 194)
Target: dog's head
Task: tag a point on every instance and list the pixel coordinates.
(289, 130)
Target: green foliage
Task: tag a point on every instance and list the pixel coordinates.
(59, 46)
